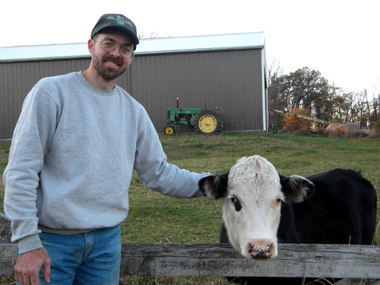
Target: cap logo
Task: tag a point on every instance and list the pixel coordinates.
(120, 20)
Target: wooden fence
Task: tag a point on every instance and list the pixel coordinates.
(357, 264)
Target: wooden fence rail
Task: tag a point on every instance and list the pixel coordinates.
(294, 260)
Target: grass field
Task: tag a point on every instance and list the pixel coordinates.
(155, 218)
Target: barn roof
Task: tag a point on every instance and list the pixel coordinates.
(146, 46)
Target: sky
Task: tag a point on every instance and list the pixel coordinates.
(341, 39)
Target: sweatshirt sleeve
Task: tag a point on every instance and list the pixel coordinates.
(31, 139)
(157, 174)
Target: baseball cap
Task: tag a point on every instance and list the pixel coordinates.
(117, 21)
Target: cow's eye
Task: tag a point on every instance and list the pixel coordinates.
(277, 202)
(235, 201)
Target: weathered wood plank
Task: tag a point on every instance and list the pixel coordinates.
(294, 260)
(7, 256)
(358, 282)
(5, 229)
(339, 261)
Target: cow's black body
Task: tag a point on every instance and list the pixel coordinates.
(341, 210)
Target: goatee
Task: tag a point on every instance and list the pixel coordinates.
(109, 74)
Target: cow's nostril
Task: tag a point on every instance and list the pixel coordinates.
(260, 249)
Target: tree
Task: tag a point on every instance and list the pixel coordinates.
(375, 106)
(275, 73)
(375, 114)
(143, 35)
(339, 110)
(363, 109)
(275, 93)
(304, 88)
(308, 89)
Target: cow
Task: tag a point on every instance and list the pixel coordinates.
(263, 208)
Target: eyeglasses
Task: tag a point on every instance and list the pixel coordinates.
(110, 46)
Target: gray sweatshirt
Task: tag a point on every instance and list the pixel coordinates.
(73, 152)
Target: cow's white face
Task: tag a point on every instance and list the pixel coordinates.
(253, 193)
(252, 208)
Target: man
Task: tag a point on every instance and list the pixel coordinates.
(78, 139)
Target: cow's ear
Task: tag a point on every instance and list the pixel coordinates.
(214, 186)
(296, 188)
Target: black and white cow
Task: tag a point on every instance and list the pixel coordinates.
(262, 208)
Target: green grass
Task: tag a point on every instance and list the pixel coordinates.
(155, 218)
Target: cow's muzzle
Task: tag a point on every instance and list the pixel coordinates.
(260, 249)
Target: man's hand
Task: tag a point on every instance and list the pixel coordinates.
(29, 264)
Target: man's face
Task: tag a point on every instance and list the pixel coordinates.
(110, 65)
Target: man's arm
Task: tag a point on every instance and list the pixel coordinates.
(152, 167)
(30, 143)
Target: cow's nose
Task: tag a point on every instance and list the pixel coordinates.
(260, 249)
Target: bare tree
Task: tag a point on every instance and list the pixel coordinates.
(339, 110)
(375, 115)
(142, 35)
(275, 72)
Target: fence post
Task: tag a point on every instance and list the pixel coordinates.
(5, 229)
(7, 250)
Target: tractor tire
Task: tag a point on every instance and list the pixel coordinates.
(208, 122)
(169, 130)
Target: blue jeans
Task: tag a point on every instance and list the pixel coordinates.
(83, 259)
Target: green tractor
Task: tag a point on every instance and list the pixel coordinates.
(206, 121)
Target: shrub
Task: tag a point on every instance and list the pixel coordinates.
(293, 123)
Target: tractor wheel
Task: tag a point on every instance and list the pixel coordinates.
(208, 122)
(169, 130)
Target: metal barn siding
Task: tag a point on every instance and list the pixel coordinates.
(231, 80)
(226, 71)
(16, 80)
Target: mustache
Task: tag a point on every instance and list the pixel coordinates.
(116, 60)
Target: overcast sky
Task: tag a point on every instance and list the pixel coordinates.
(339, 38)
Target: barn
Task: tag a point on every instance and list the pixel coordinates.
(225, 71)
